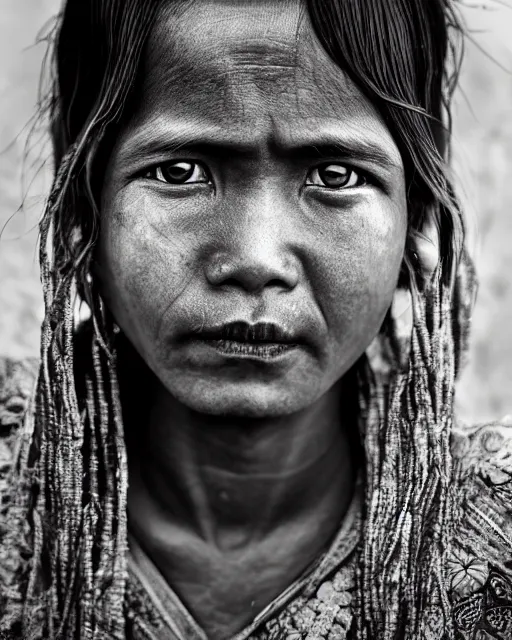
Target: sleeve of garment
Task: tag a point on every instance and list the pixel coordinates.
(17, 380)
(479, 563)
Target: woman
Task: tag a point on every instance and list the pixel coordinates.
(252, 435)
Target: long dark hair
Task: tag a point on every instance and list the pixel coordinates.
(71, 470)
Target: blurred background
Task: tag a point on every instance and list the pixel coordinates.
(482, 166)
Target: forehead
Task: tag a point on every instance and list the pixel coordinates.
(254, 66)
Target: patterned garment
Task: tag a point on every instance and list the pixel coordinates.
(318, 605)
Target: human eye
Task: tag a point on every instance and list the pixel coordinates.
(179, 172)
(335, 176)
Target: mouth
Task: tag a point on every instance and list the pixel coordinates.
(263, 340)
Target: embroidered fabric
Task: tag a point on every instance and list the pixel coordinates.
(479, 564)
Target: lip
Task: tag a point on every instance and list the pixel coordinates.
(244, 332)
(261, 341)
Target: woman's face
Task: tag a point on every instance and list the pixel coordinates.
(253, 184)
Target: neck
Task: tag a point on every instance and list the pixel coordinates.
(220, 477)
(214, 500)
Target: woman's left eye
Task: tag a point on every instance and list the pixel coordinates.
(181, 172)
(335, 176)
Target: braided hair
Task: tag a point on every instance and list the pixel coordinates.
(70, 580)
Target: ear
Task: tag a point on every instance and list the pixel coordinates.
(425, 247)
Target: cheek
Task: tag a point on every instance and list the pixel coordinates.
(143, 266)
(358, 269)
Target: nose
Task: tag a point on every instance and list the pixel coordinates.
(257, 250)
(250, 272)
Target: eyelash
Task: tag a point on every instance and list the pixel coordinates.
(361, 177)
(313, 178)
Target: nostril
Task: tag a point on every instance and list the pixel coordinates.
(280, 284)
(254, 284)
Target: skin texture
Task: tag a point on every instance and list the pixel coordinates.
(243, 466)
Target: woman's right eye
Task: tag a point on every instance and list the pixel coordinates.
(181, 172)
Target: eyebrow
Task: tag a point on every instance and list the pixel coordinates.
(213, 142)
(358, 150)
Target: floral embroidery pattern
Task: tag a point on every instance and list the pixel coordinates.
(327, 615)
(465, 572)
(486, 613)
(488, 451)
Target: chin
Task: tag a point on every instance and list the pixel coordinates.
(242, 399)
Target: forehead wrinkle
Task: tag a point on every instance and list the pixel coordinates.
(268, 53)
(183, 56)
(186, 39)
(237, 82)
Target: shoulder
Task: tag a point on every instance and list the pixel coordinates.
(483, 449)
(482, 458)
(479, 561)
(17, 381)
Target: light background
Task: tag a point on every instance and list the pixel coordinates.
(482, 163)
